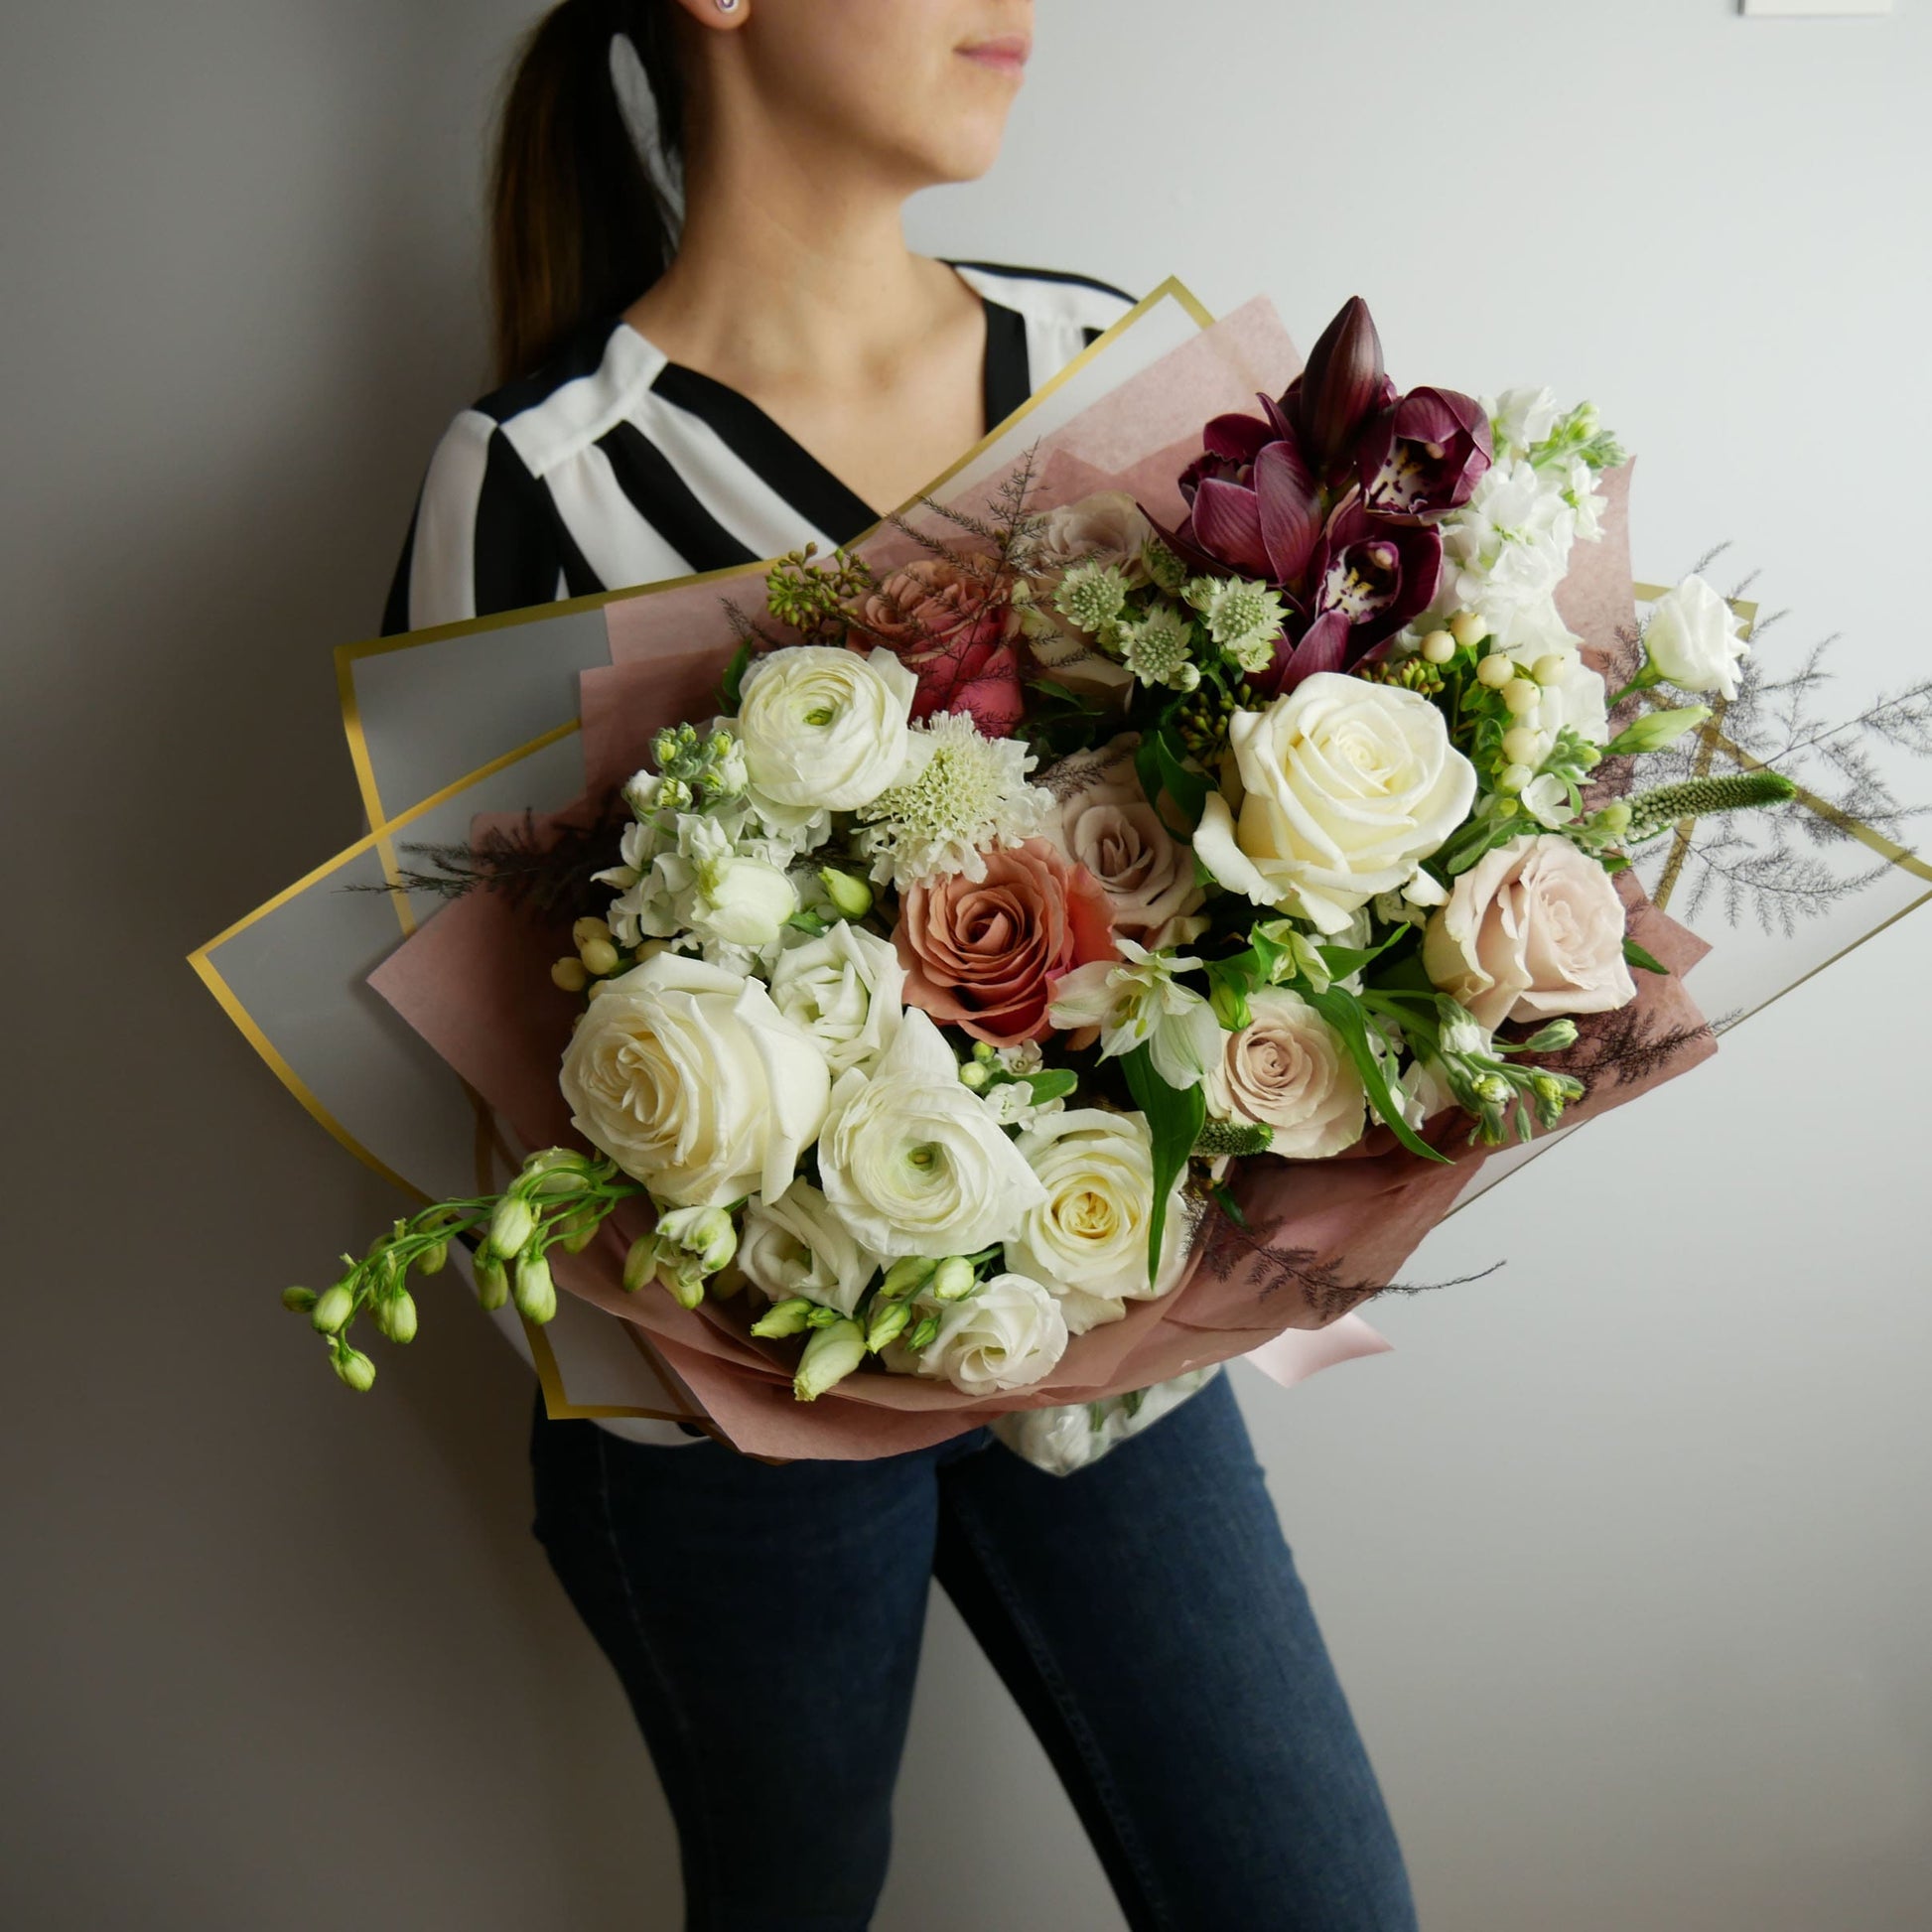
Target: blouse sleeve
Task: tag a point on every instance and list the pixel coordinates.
(484, 538)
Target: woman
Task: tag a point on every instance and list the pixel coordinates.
(791, 369)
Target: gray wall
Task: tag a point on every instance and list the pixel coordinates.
(1623, 1558)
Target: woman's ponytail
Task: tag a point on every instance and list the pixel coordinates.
(579, 227)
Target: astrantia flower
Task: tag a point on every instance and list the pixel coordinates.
(1156, 650)
(1091, 597)
(970, 796)
(1137, 1001)
(1243, 616)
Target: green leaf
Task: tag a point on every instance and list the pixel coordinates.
(1054, 1084)
(731, 690)
(1188, 789)
(1344, 1012)
(1637, 955)
(1175, 1118)
(1343, 960)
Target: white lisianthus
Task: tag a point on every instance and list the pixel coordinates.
(911, 1161)
(1136, 1000)
(1288, 1071)
(845, 990)
(1695, 638)
(798, 1246)
(1009, 1335)
(1087, 1240)
(823, 726)
(1346, 787)
(693, 1082)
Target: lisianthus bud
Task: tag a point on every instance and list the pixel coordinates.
(953, 1280)
(298, 1301)
(974, 1076)
(887, 1324)
(905, 1276)
(925, 1335)
(396, 1315)
(333, 1307)
(1656, 728)
(685, 1286)
(493, 1284)
(783, 1318)
(580, 1230)
(430, 1260)
(706, 1234)
(1557, 1037)
(534, 1293)
(851, 897)
(354, 1368)
(511, 1225)
(830, 1356)
(640, 1264)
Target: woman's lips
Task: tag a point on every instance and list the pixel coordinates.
(1008, 55)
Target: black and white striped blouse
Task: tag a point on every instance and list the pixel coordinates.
(615, 467)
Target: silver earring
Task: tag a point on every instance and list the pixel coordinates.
(726, 6)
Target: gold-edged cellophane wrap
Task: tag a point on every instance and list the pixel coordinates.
(431, 1054)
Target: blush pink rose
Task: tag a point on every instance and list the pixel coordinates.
(982, 954)
(957, 633)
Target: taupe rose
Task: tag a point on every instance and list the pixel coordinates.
(1287, 1069)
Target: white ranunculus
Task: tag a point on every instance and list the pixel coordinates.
(1010, 1334)
(1532, 930)
(913, 1161)
(846, 989)
(1087, 1240)
(693, 1082)
(1694, 638)
(798, 1246)
(1287, 1070)
(1346, 787)
(823, 726)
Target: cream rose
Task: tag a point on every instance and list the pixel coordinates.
(1287, 1069)
(1346, 787)
(796, 1246)
(913, 1161)
(1531, 930)
(1008, 1336)
(1693, 638)
(825, 728)
(1105, 823)
(1104, 528)
(845, 989)
(1087, 1240)
(693, 1082)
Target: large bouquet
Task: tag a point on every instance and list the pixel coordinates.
(1086, 946)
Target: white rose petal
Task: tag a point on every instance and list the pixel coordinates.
(691, 1080)
(845, 990)
(911, 1160)
(798, 1246)
(1347, 786)
(1009, 1336)
(1694, 638)
(823, 728)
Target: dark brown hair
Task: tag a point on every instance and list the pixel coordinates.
(577, 226)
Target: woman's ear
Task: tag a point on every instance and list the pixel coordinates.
(724, 15)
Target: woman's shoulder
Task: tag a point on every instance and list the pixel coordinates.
(1048, 294)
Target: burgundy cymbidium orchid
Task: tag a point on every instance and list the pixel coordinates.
(1426, 455)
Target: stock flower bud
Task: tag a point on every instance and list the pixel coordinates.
(396, 1317)
(533, 1291)
(831, 1354)
(333, 1307)
(640, 1264)
(1557, 1037)
(511, 1226)
(355, 1369)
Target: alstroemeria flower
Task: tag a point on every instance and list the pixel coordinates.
(1426, 455)
(1137, 1001)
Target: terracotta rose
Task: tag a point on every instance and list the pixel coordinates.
(982, 954)
(956, 633)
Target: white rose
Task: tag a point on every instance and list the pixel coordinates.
(1008, 1336)
(1531, 930)
(1694, 638)
(911, 1159)
(845, 989)
(1348, 787)
(1087, 1240)
(1287, 1070)
(823, 726)
(691, 1080)
(1105, 823)
(796, 1246)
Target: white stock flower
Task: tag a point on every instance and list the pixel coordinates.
(1522, 418)
(1086, 1242)
(823, 726)
(1510, 544)
(798, 1246)
(1348, 787)
(911, 1161)
(732, 900)
(845, 989)
(1010, 1334)
(1694, 638)
(1136, 1000)
(1288, 1071)
(693, 1082)
(1546, 800)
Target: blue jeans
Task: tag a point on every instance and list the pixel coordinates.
(1145, 1612)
